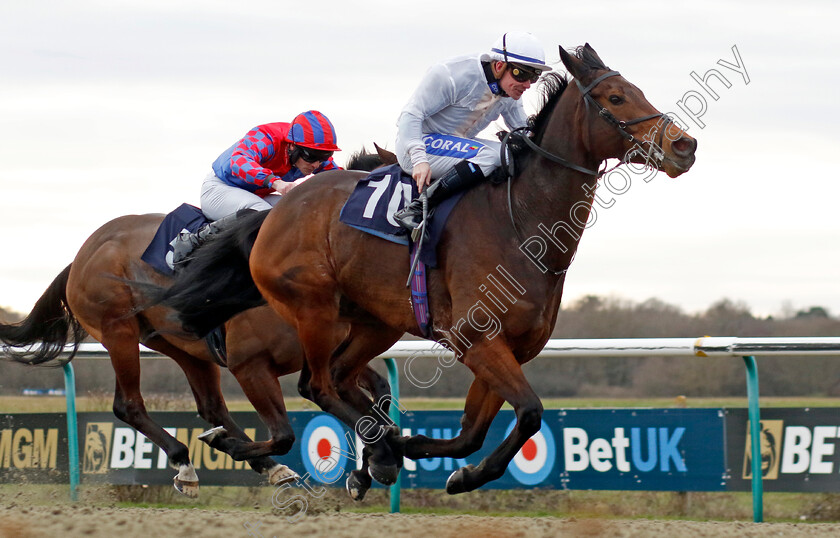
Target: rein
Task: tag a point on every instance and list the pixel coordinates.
(609, 117)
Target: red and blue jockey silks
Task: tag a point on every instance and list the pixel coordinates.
(261, 152)
(313, 130)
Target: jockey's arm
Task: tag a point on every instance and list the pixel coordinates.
(247, 159)
(435, 92)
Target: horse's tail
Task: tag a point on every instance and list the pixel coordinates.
(46, 330)
(217, 283)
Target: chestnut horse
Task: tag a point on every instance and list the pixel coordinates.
(495, 297)
(89, 296)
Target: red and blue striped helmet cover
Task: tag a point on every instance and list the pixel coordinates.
(311, 129)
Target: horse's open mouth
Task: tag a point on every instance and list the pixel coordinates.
(676, 168)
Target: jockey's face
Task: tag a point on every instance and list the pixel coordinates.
(306, 167)
(510, 85)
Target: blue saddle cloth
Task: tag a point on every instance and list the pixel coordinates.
(185, 218)
(372, 204)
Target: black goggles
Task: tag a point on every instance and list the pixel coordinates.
(314, 155)
(521, 73)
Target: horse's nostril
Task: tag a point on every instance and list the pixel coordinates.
(684, 146)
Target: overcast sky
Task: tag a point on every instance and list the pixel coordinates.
(116, 107)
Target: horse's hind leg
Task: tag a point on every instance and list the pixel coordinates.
(205, 382)
(121, 343)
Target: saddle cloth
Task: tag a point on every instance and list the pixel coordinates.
(372, 204)
(185, 218)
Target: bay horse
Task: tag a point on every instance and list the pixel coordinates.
(90, 296)
(343, 290)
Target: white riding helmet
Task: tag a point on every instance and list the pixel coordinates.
(518, 47)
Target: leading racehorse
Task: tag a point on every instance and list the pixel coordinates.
(90, 295)
(502, 265)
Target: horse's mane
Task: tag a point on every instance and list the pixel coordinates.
(551, 88)
(362, 160)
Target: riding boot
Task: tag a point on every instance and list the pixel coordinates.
(462, 176)
(186, 242)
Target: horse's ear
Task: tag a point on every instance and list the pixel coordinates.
(386, 156)
(573, 65)
(594, 54)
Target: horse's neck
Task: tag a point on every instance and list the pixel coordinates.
(554, 201)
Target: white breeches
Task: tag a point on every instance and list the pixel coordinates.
(218, 199)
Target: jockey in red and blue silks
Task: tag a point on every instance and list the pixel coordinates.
(268, 162)
(254, 173)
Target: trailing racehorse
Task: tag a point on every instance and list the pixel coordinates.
(90, 295)
(502, 264)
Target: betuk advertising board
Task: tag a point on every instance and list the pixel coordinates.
(609, 449)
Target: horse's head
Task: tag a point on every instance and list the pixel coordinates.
(619, 122)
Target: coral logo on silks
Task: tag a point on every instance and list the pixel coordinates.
(324, 449)
(535, 460)
(451, 146)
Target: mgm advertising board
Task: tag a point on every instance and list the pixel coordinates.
(607, 449)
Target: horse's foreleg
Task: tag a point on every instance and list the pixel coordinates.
(349, 386)
(130, 408)
(496, 366)
(359, 481)
(379, 389)
(323, 338)
(480, 409)
(377, 386)
(351, 374)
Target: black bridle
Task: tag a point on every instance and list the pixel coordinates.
(621, 125)
(609, 117)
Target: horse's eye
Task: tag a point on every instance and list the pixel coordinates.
(616, 100)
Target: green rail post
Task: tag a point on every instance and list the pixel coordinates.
(755, 439)
(72, 430)
(394, 413)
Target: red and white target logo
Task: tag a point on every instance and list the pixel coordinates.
(324, 448)
(535, 460)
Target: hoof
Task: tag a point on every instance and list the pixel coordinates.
(358, 484)
(211, 434)
(384, 474)
(188, 488)
(455, 483)
(280, 474)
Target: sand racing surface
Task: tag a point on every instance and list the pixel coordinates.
(20, 521)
